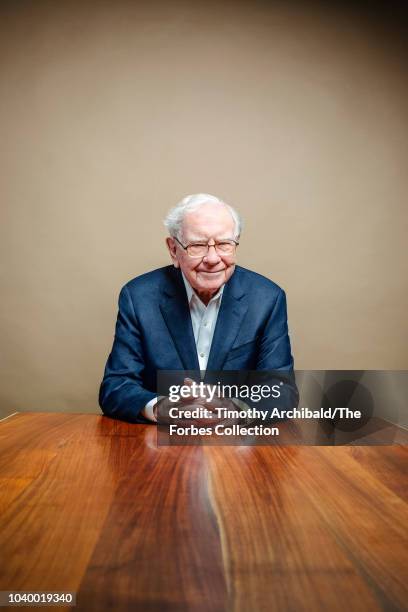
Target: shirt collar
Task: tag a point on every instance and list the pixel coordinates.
(191, 294)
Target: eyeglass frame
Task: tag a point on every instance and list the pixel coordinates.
(207, 245)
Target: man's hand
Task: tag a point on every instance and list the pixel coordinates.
(205, 400)
(216, 401)
(211, 402)
(193, 402)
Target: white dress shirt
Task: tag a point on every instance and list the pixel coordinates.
(203, 319)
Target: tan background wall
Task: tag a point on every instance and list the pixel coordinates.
(296, 113)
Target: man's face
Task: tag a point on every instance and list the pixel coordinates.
(210, 222)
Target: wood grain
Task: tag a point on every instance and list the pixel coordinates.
(93, 505)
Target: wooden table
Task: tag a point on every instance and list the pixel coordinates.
(92, 505)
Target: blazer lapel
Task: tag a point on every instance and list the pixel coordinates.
(176, 313)
(232, 312)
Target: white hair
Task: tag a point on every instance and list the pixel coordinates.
(174, 218)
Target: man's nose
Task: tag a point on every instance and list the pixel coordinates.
(212, 256)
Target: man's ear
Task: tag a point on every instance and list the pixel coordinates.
(171, 245)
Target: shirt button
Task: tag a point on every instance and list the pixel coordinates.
(202, 354)
(205, 323)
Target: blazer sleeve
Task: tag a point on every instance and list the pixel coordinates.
(275, 356)
(122, 394)
(274, 349)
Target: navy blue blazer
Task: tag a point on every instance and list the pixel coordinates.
(154, 332)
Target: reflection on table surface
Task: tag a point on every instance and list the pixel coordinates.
(93, 505)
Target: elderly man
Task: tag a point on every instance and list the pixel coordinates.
(202, 313)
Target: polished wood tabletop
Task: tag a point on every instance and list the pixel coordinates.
(93, 505)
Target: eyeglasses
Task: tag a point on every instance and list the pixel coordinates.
(200, 249)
